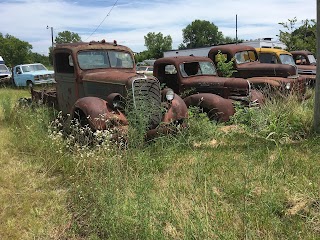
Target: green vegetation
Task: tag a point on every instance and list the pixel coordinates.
(201, 33)
(225, 67)
(299, 38)
(255, 178)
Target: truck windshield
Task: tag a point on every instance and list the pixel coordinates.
(197, 69)
(245, 56)
(312, 59)
(3, 68)
(94, 59)
(287, 59)
(33, 68)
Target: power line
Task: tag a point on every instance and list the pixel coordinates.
(103, 20)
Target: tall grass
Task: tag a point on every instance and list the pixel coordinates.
(209, 181)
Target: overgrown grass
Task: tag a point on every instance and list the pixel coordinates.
(32, 204)
(211, 181)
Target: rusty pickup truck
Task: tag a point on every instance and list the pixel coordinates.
(196, 80)
(96, 82)
(280, 77)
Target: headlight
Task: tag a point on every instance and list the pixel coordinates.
(288, 86)
(36, 77)
(170, 95)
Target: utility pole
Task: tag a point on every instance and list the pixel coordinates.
(236, 28)
(51, 36)
(316, 118)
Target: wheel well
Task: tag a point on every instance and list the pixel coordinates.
(81, 117)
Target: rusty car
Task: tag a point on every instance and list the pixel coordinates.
(280, 56)
(97, 83)
(282, 78)
(306, 62)
(196, 80)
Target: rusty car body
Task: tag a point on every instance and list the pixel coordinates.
(281, 77)
(280, 56)
(196, 80)
(306, 62)
(96, 82)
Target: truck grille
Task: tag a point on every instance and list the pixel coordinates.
(147, 99)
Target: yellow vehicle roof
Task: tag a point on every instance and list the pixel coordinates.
(272, 50)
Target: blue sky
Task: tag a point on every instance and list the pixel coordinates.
(130, 21)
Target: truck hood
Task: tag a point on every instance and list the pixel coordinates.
(110, 75)
(215, 81)
(42, 72)
(257, 69)
(307, 69)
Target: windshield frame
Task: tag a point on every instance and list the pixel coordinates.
(312, 59)
(201, 66)
(32, 68)
(288, 56)
(240, 57)
(4, 68)
(109, 59)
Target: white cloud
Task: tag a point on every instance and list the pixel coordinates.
(130, 21)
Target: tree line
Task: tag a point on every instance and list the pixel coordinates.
(199, 33)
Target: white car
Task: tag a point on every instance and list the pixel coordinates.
(5, 74)
(146, 70)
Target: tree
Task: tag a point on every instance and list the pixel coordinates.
(67, 37)
(157, 44)
(139, 57)
(14, 51)
(201, 33)
(299, 38)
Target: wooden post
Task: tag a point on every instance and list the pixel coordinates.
(316, 119)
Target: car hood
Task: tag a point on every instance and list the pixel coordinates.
(216, 81)
(110, 76)
(42, 72)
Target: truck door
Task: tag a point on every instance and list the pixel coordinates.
(167, 75)
(17, 76)
(67, 88)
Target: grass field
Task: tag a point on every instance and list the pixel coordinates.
(253, 178)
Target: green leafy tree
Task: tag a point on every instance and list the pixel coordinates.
(67, 37)
(299, 38)
(14, 51)
(201, 33)
(40, 58)
(140, 57)
(156, 44)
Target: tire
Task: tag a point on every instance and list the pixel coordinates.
(29, 84)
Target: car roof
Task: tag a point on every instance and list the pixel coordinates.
(273, 50)
(180, 59)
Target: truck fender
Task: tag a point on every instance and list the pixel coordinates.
(217, 107)
(267, 81)
(176, 109)
(96, 112)
(256, 98)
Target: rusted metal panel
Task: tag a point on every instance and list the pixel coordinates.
(217, 107)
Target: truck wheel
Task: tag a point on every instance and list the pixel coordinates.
(29, 84)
